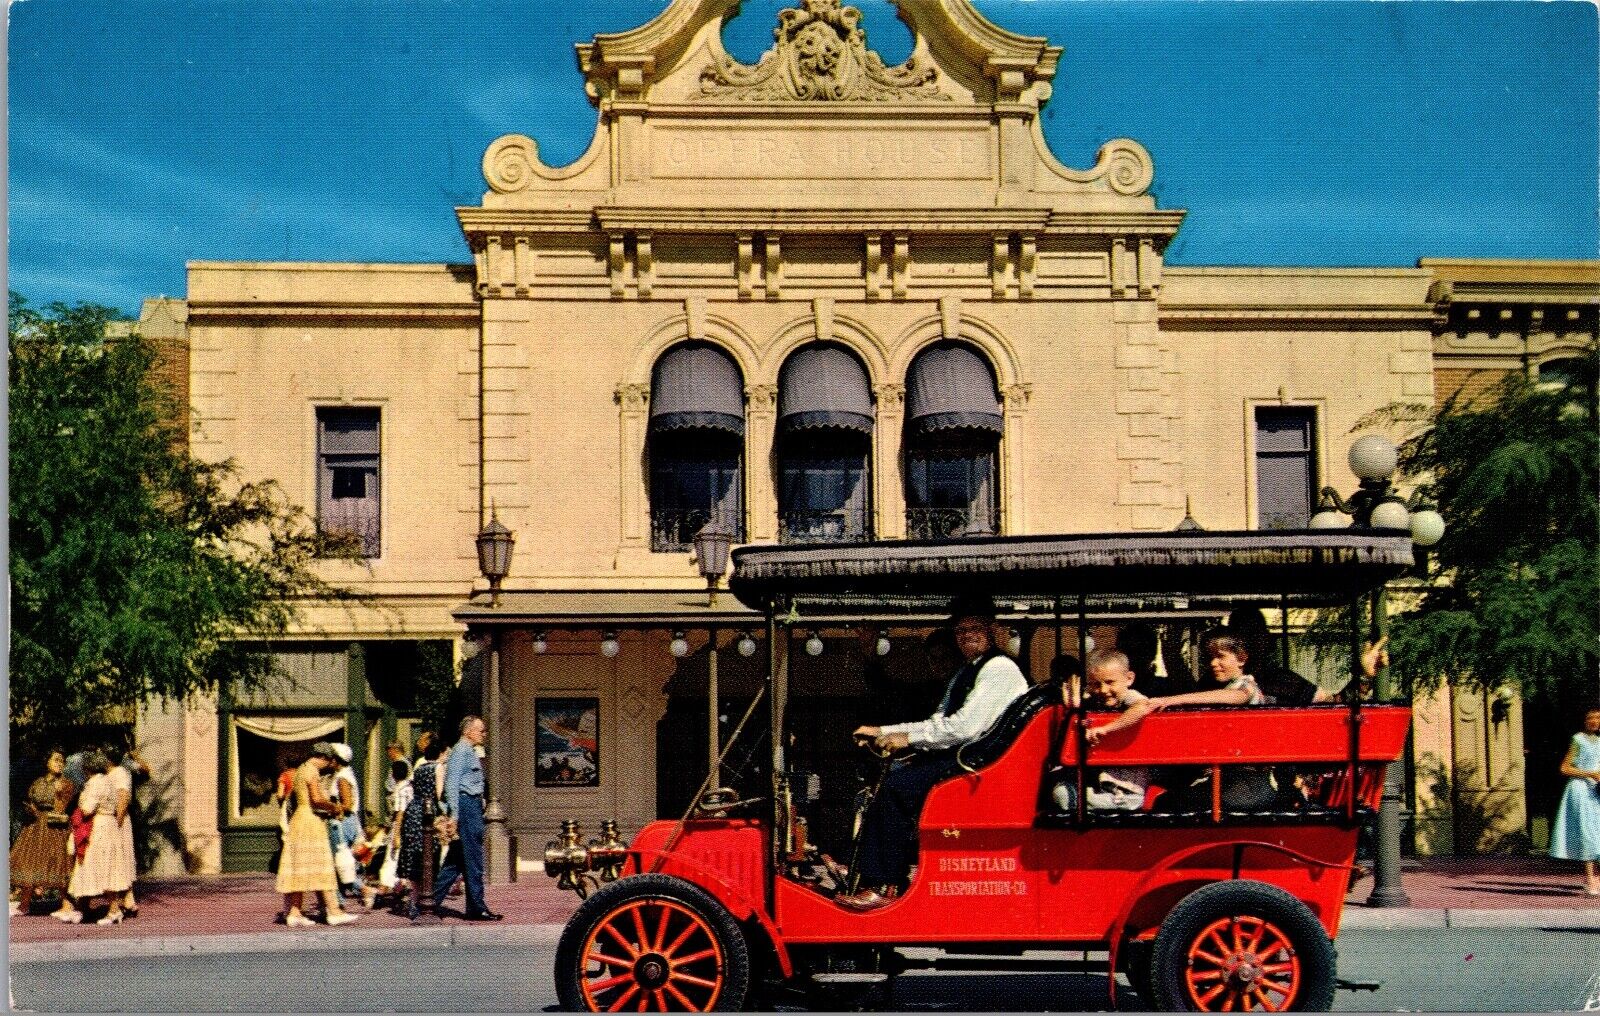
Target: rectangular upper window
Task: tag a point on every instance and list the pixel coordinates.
(1286, 466)
(348, 476)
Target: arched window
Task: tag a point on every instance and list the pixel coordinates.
(1565, 371)
(953, 429)
(696, 446)
(825, 421)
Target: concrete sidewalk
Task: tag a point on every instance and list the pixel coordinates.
(236, 913)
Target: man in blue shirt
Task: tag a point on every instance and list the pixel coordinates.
(463, 801)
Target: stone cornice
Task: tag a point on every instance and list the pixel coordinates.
(669, 219)
(1301, 316)
(431, 312)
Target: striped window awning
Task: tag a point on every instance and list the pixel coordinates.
(697, 387)
(950, 387)
(824, 386)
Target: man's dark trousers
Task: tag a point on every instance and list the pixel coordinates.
(888, 840)
(467, 854)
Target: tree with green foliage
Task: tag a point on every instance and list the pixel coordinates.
(1514, 596)
(134, 567)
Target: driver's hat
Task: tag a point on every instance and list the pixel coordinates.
(970, 605)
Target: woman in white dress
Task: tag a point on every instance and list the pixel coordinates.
(104, 870)
(1576, 835)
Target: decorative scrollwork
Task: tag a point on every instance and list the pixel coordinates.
(821, 54)
(1126, 166)
(508, 163)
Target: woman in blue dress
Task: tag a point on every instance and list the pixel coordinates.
(1576, 836)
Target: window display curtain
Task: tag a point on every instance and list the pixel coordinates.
(290, 728)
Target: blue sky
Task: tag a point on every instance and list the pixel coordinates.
(146, 134)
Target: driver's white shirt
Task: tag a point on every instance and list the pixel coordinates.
(998, 684)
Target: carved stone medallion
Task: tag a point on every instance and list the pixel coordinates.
(821, 55)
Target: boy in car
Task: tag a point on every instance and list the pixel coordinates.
(1108, 684)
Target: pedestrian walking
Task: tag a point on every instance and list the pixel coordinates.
(307, 861)
(41, 859)
(103, 870)
(1576, 835)
(463, 801)
(344, 827)
(419, 851)
(128, 768)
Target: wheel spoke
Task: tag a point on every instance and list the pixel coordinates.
(609, 960)
(1199, 953)
(1228, 1001)
(1254, 945)
(611, 929)
(661, 929)
(1283, 989)
(1206, 975)
(683, 936)
(610, 982)
(1278, 968)
(1233, 928)
(682, 999)
(691, 979)
(637, 910)
(1207, 998)
(622, 1000)
(661, 1001)
(1215, 935)
(644, 1002)
(682, 960)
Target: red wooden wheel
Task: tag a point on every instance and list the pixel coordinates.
(1242, 946)
(652, 955)
(1241, 964)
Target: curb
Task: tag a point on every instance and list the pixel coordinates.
(283, 941)
(1355, 919)
(1410, 918)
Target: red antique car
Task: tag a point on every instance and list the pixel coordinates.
(1204, 909)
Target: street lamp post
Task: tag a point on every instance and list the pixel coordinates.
(1377, 505)
(494, 560)
(711, 545)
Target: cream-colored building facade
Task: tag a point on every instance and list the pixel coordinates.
(816, 200)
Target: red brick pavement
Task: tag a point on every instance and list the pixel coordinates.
(229, 904)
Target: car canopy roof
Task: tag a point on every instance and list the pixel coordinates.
(1304, 568)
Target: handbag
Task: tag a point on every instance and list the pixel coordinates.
(81, 825)
(344, 862)
(389, 871)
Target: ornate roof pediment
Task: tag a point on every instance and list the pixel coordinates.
(821, 53)
(821, 125)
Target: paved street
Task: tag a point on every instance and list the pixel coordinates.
(1460, 969)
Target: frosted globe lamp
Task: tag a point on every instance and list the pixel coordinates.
(1390, 515)
(1427, 527)
(1373, 457)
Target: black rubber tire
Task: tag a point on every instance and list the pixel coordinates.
(569, 965)
(1220, 900)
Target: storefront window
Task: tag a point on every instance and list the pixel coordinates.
(263, 747)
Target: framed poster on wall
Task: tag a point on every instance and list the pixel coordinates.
(567, 742)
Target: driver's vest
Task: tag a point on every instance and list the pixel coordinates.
(961, 685)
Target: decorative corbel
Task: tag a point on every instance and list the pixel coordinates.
(950, 317)
(874, 266)
(822, 310)
(1027, 265)
(694, 314)
(900, 265)
(617, 263)
(644, 264)
(746, 265)
(774, 265)
(1000, 268)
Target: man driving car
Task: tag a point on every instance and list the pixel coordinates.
(973, 701)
